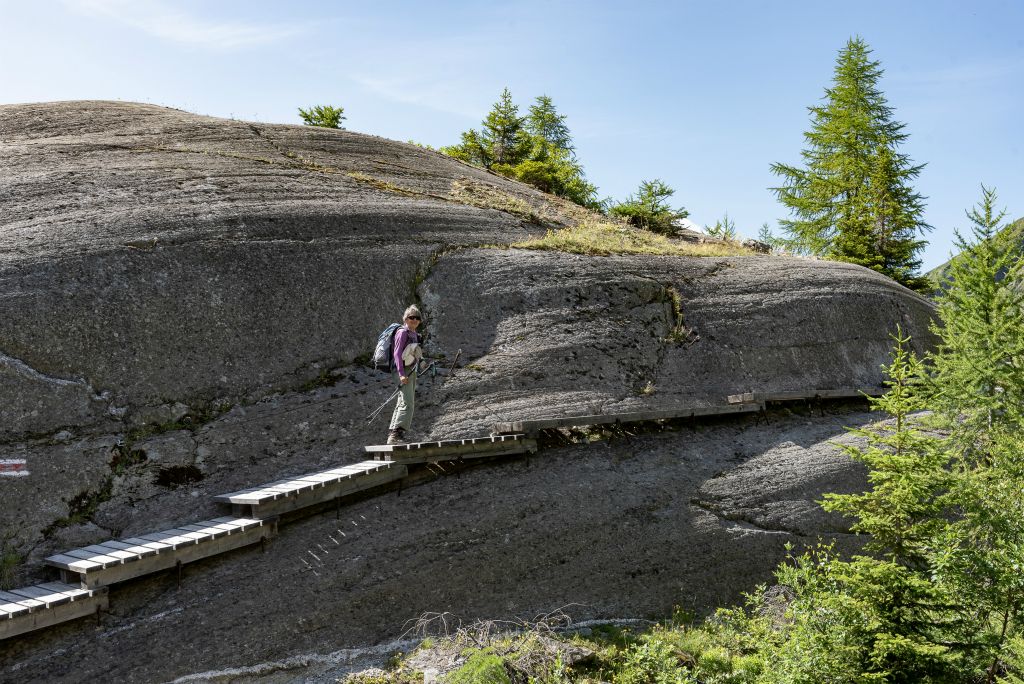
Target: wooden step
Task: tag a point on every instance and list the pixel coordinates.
(453, 449)
(532, 427)
(801, 395)
(279, 497)
(42, 605)
(122, 559)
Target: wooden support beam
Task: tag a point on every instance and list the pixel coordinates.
(532, 427)
(43, 605)
(292, 495)
(746, 402)
(95, 567)
(458, 452)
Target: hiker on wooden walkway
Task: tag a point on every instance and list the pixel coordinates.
(406, 355)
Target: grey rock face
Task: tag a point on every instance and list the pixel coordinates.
(620, 530)
(185, 303)
(619, 334)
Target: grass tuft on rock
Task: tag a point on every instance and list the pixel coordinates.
(597, 238)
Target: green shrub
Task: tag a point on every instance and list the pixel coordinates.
(482, 667)
(655, 660)
(324, 116)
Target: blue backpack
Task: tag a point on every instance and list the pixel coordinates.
(382, 357)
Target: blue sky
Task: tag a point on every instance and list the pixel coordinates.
(704, 96)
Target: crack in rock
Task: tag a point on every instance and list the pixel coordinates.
(739, 523)
(25, 370)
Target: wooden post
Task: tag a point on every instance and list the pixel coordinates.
(178, 567)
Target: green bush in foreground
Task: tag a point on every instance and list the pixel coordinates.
(482, 667)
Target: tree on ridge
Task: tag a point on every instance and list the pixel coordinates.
(852, 199)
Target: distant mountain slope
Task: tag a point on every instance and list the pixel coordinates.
(1013, 232)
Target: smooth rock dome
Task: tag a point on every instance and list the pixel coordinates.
(186, 307)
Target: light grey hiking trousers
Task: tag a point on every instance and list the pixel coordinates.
(406, 406)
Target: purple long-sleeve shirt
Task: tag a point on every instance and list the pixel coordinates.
(403, 338)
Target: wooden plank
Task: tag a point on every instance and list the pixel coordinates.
(159, 547)
(207, 531)
(534, 426)
(9, 610)
(463, 444)
(22, 600)
(73, 592)
(85, 605)
(156, 550)
(189, 534)
(842, 393)
(48, 597)
(329, 492)
(354, 468)
(256, 496)
(212, 546)
(134, 549)
(240, 523)
(107, 551)
(463, 453)
(102, 559)
(176, 540)
(315, 478)
(249, 496)
(71, 563)
(16, 602)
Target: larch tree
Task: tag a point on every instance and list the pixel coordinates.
(852, 199)
(323, 116)
(536, 149)
(649, 208)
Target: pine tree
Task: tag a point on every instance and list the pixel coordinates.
(504, 132)
(977, 390)
(978, 367)
(903, 509)
(549, 127)
(852, 199)
(502, 139)
(535, 149)
(649, 208)
(324, 116)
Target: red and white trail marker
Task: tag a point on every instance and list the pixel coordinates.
(13, 467)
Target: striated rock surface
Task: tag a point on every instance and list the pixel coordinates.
(186, 305)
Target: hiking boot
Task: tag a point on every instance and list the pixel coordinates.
(396, 437)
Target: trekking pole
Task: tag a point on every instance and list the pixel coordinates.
(451, 371)
(377, 411)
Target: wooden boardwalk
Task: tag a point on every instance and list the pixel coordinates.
(453, 449)
(532, 427)
(748, 402)
(284, 496)
(88, 571)
(42, 605)
(803, 395)
(123, 559)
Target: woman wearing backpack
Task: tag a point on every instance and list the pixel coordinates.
(405, 368)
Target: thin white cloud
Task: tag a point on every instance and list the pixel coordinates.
(442, 96)
(976, 73)
(162, 20)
